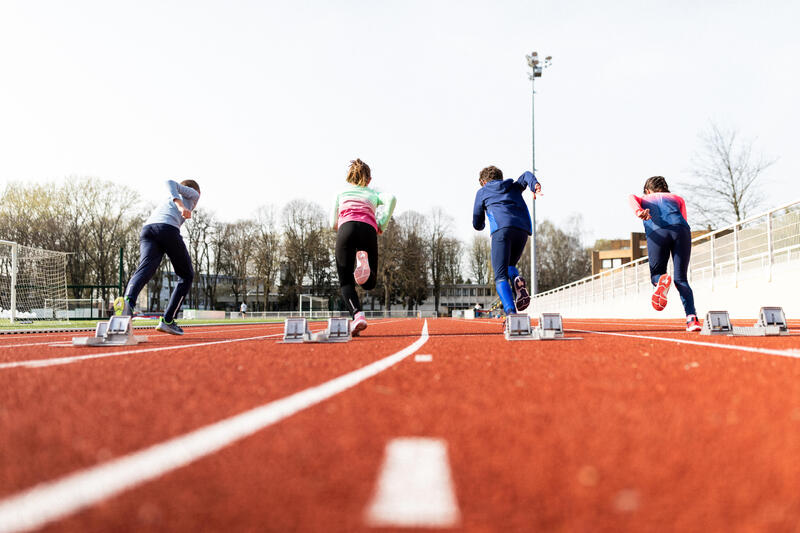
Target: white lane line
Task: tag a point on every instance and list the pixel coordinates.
(50, 501)
(39, 363)
(415, 488)
(423, 358)
(753, 349)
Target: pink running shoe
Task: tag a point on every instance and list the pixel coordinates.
(358, 325)
(659, 299)
(692, 324)
(361, 273)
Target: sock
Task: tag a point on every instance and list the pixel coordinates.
(504, 291)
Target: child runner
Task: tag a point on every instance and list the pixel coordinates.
(357, 237)
(161, 235)
(668, 232)
(510, 225)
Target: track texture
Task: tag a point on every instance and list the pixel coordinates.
(605, 433)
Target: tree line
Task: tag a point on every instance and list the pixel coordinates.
(281, 251)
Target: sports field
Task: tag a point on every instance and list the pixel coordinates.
(626, 426)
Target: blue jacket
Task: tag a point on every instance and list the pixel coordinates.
(501, 201)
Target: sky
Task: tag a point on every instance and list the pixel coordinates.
(265, 102)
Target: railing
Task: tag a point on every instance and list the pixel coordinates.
(280, 315)
(752, 247)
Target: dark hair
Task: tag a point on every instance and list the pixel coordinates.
(359, 173)
(490, 173)
(656, 184)
(191, 183)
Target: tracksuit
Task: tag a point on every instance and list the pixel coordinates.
(502, 203)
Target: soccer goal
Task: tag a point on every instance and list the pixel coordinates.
(313, 306)
(33, 283)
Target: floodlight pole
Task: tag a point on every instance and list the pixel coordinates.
(537, 66)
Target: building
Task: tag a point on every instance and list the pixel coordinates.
(618, 252)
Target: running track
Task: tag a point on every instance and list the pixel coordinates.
(637, 426)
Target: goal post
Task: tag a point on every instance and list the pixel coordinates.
(33, 283)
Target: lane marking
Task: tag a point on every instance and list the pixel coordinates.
(753, 349)
(56, 499)
(39, 363)
(415, 488)
(423, 358)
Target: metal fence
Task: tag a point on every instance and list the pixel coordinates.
(752, 247)
(280, 315)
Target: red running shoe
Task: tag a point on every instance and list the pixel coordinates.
(361, 273)
(659, 299)
(692, 324)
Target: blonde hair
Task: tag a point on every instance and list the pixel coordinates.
(359, 173)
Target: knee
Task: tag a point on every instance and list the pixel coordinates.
(370, 283)
(187, 276)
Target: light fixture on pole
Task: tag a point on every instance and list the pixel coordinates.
(537, 66)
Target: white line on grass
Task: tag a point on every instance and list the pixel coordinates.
(50, 501)
(753, 349)
(415, 488)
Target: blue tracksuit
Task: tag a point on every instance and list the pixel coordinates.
(161, 235)
(502, 203)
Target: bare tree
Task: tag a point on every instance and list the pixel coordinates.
(726, 170)
(239, 250)
(267, 250)
(302, 231)
(199, 229)
(437, 243)
(480, 259)
(413, 278)
(562, 256)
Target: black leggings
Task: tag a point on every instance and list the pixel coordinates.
(351, 238)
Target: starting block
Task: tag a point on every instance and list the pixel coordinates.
(518, 327)
(295, 329)
(771, 321)
(116, 332)
(717, 323)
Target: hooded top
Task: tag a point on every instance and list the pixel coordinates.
(502, 203)
(666, 209)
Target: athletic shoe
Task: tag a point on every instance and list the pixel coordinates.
(692, 324)
(521, 297)
(169, 327)
(119, 306)
(659, 299)
(361, 272)
(358, 324)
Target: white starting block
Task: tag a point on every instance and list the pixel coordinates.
(771, 321)
(295, 329)
(717, 323)
(116, 332)
(518, 327)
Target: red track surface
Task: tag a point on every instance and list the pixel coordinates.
(606, 433)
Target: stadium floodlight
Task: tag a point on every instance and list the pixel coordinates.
(536, 72)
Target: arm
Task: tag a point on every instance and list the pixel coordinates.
(177, 191)
(529, 180)
(682, 205)
(636, 204)
(335, 214)
(389, 201)
(478, 213)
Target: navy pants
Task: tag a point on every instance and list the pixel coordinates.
(507, 247)
(351, 238)
(675, 241)
(155, 241)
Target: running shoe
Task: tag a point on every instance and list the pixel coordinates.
(361, 272)
(692, 324)
(659, 299)
(169, 327)
(358, 325)
(521, 297)
(119, 305)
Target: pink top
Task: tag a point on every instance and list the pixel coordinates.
(666, 209)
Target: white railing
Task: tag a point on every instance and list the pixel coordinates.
(752, 247)
(280, 315)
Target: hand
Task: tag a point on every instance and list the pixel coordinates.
(380, 231)
(537, 190)
(644, 214)
(186, 214)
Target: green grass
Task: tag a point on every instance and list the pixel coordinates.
(6, 325)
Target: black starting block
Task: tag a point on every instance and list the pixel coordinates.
(116, 332)
(295, 329)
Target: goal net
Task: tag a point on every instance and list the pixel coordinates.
(33, 283)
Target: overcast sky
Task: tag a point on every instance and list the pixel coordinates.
(264, 102)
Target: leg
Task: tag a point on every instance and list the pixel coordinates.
(501, 256)
(182, 264)
(345, 263)
(150, 255)
(658, 248)
(368, 241)
(518, 239)
(681, 254)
